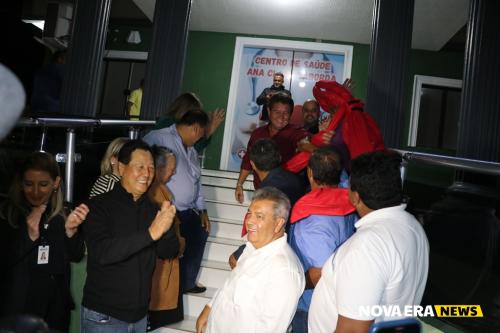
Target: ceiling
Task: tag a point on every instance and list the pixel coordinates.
(436, 24)
(435, 21)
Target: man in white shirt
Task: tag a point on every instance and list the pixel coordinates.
(262, 292)
(385, 262)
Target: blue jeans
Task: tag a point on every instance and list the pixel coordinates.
(299, 322)
(196, 238)
(95, 322)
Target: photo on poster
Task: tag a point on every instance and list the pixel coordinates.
(255, 62)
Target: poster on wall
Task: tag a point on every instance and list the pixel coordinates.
(254, 64)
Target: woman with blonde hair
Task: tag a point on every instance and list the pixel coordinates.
(109, 168)
(37, 242)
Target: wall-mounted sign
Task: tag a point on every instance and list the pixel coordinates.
(255, 62)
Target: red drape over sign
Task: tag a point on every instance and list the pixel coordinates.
(360, 132)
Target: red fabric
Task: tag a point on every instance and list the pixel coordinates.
(244, 226)
(322, 201)
(360, 132)
(286, 140)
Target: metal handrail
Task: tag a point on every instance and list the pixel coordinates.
(80, 122)
(70, 124)
(460, 163)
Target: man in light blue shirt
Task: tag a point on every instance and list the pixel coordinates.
(320, 222)
(185, 185)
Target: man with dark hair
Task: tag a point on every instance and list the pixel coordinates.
(124, 232)
(385, 263)
(186, 187)
(261, 294)
(265, 160)
(321, 221)
(267, 93)
(287, 138)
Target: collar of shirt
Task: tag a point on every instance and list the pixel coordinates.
(378, 214)
(125, 196)
(251, 252)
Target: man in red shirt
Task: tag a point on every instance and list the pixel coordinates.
(286, 136)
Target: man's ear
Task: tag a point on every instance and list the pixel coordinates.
(280, 225)
(197, 128)
(354, 198)
(310, 175)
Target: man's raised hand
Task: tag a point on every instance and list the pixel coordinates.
(163, 220)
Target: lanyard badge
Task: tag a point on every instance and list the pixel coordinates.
(43, 255)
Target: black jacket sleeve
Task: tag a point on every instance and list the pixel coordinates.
(75, 246)
(167, 246)
(262, 99)
(105, 246)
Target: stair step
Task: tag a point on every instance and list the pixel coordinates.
(218, 251)
(187, 325)
(194, 303)
(224, 266)
(226, 241)
(217, 193)
(225, 230)
(214, 273)
(226, 220)
(225, 209)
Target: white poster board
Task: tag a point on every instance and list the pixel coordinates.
(254, 64)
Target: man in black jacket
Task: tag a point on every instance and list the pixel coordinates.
(267, 93)
(124, 233)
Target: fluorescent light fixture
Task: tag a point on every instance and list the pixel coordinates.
(37, 23)
(134, 37)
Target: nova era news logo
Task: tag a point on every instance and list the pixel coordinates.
(458, 311)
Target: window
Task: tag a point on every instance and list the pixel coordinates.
(434, 113)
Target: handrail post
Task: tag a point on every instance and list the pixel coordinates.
(43, 138)
(70, 164)
(403, 169)
(133, 133)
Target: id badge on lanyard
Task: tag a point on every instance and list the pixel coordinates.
(43, 252)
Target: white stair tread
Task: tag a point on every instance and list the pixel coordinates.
(209, 293)
(216, 264)
(227, 241)
(225, 220)
(230, 203)
(187, 325)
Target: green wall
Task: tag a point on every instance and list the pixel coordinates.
(210, 58)
(209, 63)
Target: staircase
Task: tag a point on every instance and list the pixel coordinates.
(226, 217)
